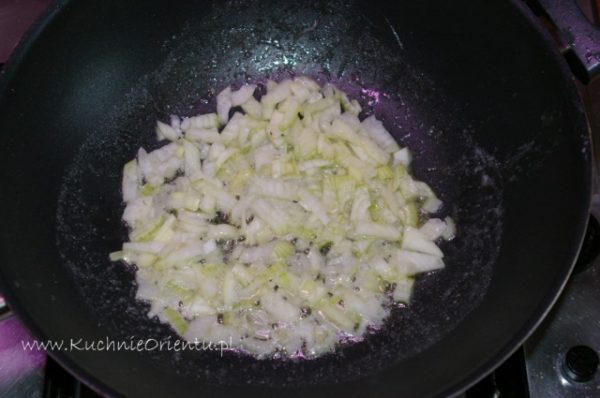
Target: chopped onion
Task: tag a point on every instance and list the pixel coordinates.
(285, 230)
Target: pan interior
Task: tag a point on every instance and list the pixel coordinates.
(330, 44)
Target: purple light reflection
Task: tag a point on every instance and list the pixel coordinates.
(15, 360)
(372, 95)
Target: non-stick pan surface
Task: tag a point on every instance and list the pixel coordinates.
(473, 88)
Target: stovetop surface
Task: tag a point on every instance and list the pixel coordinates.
(543, 368)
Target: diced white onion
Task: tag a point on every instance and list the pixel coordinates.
(375, 129)
(224, 105)
(242, 95)
(403, 156)
(278, 232)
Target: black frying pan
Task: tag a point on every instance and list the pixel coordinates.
(474, 88)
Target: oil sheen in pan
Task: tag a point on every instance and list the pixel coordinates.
(251, 49)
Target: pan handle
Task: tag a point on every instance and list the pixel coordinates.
(582, 37)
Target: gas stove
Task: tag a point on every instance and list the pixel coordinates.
(559, 360)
